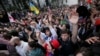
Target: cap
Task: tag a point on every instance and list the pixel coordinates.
(97, 22)
(55, 44)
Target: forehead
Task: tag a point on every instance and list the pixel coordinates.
(64, 34)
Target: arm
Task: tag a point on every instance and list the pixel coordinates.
(93, 12)
(30, 39)
(3, 41)
(38, 35)
(74, 20)
(65, 15)
(74, 33)
(92, 40)
(53, 32)
(92, 19)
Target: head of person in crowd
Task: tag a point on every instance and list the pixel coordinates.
(83, 11)
(47, 31)
(57, 21)
(65, 35)
(65, 27)
(7, 36)
(14, 33)
(34, 44)
(85, 52)
(34, 37)
(28, 29)
(33, 24)
(73, 8)
(36, 49)
(3, 32)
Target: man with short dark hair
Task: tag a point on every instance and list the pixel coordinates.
(68, 39)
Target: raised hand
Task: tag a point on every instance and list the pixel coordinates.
(49, 17)
(74, 19)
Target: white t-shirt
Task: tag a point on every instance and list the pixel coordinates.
(48, 39)
(22, 49)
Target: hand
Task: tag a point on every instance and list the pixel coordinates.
(74, 19)
(45, 16)
(50, 17)
(46, 22)
(66, 11)
(60, 27)
(94, 11)
(92, 40)
(13, 40)
(38, 34)
(6, 28)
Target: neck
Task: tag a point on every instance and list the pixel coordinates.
(30, 32)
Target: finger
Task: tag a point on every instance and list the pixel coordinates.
(88, 41)
(95, 38)
(92, 41)
(98, 41)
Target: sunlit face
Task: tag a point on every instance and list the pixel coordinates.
(64, 36)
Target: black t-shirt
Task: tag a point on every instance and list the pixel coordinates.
(96, 48)
(3, 47)
(23, 36)
(67, 47)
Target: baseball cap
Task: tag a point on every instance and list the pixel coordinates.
(97, 22)
(55, 44)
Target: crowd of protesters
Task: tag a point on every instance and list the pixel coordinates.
(66, 31)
